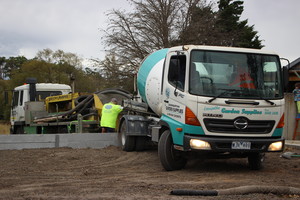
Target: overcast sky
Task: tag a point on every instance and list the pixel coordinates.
(27, 26)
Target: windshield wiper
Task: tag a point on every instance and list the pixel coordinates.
(227, 91)
(230, 91)
(267, 100)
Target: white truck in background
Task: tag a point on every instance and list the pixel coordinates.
(47, 108)
(31, 92)
(220, 100)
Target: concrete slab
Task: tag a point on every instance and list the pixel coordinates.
(88, 140)
(293, 143)
(26, 141)
(84, 140)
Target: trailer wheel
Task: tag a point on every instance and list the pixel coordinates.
(170, 158)
(127, 142)
(256, 160)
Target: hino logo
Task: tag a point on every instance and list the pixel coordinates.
(240, 123)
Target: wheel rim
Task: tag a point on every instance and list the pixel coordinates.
(123, 131)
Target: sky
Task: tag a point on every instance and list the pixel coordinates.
(28, 26)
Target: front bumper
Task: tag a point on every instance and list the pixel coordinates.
(224, 144)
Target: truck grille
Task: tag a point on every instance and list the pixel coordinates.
(228, 126)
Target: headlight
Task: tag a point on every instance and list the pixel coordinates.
(199, 144)
(275, 146)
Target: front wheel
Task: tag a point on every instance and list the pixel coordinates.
(256, 160)
(170, 158)
(127, 142)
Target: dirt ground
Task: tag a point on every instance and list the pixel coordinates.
(110, 173)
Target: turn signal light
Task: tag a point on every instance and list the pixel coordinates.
(179, 129)
(281, 122)
(190, 118)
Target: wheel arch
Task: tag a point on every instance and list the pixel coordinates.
(138, 125)
(121, 120)
(164, 126)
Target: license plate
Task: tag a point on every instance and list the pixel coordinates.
(240, 145)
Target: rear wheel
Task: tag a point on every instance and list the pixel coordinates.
(141, 143)
(127, 142)
(170, 158)
(256, 160)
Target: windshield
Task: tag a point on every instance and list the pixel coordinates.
(235, 75)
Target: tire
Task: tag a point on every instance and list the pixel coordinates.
(255, 160)
(170, 158)
(140, 143)
(127, 142)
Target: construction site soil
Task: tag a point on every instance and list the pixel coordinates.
(110, 173)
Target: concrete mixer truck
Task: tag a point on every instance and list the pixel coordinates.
(220, 100)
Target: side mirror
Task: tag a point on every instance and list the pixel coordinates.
(285, 73)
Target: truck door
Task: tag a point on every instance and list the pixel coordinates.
(17, 113)
(174, 87)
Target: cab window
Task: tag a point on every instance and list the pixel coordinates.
(15, 98)
(177, 68)
(41, 95)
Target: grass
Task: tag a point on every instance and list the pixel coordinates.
(4, 128)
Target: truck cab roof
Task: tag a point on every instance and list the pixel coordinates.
(46, 87)
(222, 48)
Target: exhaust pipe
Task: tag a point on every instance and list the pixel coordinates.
(32, 88)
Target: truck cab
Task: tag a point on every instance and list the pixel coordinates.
(223, 100)
(31, 92)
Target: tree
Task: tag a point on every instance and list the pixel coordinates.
(157, 24)
(59, 57)
(96, 81)
(5, 97)
(50, 67)
(2, 63)
(116, 74)
(153, 25)
(10, 64)
(43, 71)
(200, 26)
(57, 67)
(237, 33)
(7, 66)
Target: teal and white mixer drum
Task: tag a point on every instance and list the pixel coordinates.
(149, 79)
